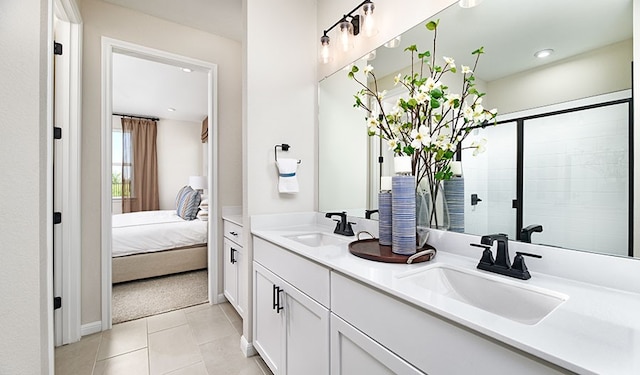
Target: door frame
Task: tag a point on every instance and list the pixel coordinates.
(109, 47)
(68, 12)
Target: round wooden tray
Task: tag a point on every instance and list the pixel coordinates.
(372, 250)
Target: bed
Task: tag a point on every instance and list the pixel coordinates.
(155, 243)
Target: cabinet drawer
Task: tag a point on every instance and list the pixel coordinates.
(233, 231)
(432, 344)
(309, 277)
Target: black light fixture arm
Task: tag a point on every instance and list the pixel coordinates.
(349, 15)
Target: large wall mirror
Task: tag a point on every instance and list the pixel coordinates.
(560, 154)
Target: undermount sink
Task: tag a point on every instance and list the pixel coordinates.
(317, 239)
(506, 298)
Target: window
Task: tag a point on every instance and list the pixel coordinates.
(120, 187)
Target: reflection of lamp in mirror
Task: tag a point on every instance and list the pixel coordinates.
(368, 20)
(370, 56)
(468, 3)
(393, 43)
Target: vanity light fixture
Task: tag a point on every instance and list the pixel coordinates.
(468, 3)
(543, 53)
(349, 27)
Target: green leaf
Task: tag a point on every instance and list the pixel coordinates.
(408, 150)
(412, 103)
(432, 25)
(435, 103)
(437, 68)
(479, 51)
(412, 48)
(453, 70)
(424, 54)
(436, 93)
(350, 75)
(354, 69)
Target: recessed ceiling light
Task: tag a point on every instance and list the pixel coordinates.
(186, 70)
(543, 53)
(171, 109)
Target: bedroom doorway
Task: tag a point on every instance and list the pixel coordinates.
(163, 267)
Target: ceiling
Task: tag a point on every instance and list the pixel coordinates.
(511, 32)
(220, 17)
(148, 88)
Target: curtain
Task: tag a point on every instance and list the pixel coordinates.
(139, 166)
(204, 136)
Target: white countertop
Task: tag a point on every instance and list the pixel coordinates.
(595, 331)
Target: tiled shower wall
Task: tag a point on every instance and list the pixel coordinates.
(576, 180)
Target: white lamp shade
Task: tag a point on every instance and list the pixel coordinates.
(198, 182)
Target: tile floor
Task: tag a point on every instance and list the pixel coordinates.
(203, 339)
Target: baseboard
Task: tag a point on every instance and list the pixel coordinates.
(90, 328)
(222, 298)
(247, 348)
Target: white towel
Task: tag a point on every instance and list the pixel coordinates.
(288, 182)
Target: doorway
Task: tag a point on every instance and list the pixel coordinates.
(115, 49)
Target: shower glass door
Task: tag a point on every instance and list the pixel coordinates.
(576, 179)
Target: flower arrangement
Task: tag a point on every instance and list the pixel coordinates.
(430, 123)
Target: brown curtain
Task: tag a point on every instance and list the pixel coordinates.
(139, 166)
(204, 136)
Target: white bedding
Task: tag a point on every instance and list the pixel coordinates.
(149, 231)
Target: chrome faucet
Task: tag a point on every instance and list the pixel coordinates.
(343, 226)
(502, 263)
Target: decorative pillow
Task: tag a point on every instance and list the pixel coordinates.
(181, 192)
(188, 202)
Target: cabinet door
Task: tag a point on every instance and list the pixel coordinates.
(307, 334)
(268, 320)
(354, 353)
(230, 272)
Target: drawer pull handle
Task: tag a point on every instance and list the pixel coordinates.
(233, 255)
(276, 299)
(233, 233)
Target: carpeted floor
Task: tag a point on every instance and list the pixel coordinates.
(142, 298)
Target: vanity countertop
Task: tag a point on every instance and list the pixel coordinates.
(595, 331)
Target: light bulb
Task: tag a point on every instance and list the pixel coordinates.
(325, 54)
(346, 30)
(368, 20)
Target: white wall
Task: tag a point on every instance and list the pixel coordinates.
(597, 72)
(280, 102)
(104, 19)
(179, 156)
(26, 346)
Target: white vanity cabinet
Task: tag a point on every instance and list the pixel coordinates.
(430, 343)
(290, 328)
(233, 261)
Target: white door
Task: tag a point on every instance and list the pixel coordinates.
(307, 335)
(354, 353)
(268, 319)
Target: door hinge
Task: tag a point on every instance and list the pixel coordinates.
(57, 48)
(57, 217)
(57, 303)
(57, 132)
(380, 159)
